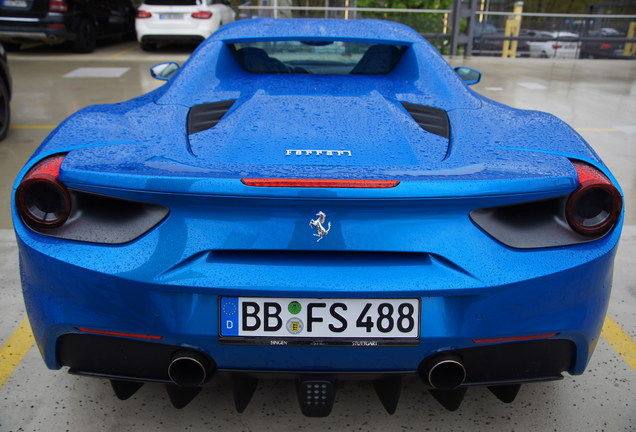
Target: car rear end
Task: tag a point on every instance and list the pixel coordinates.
(28, 20)
(175, 21)
(604, 45)
(349, 231)
(317, 280)
(566, 46)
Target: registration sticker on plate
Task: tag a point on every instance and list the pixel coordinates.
(302, 321)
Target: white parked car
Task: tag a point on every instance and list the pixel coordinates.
(561, 45)
(179, 21)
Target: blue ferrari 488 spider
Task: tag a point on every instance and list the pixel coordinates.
(319, 200)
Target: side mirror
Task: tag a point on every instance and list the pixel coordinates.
(469, 75)
(164, 71)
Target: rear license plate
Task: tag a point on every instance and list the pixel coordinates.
(301, 321)
(171, 16)
(15, 3)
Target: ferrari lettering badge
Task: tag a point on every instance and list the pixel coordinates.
(302, 152)
(318, 225)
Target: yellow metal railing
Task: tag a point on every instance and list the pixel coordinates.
(513, 26)
(630, 47)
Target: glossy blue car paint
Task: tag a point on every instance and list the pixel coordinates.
(224, 238)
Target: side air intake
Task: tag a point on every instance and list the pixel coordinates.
(433, 120)
(204, 116)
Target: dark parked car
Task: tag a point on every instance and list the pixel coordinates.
(608, 48)
(487, 40)
(80, 22)
(5, 94)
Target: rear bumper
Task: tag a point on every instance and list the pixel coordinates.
(62, 298)
(50, 28)
(131, 360)
(171, 39)
(189, 31)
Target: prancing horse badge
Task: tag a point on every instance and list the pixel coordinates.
(318, 225)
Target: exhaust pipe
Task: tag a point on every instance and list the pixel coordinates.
(444, 372)
(188, 368)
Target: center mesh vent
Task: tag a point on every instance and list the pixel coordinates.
(204, 116)
(433, 120)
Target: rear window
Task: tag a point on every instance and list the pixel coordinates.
(317, 57)
(171, 2)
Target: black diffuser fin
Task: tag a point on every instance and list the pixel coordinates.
(125, 389)
(243, 388)
(505, 393)
(388, 390)
(449, 399)
(181, 396)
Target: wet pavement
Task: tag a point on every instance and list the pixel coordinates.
(596, 97)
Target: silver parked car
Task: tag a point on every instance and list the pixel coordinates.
(558, 45)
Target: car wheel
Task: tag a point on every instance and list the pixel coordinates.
(86, 37)
(5, 110)
(544, 54)
(148, 46)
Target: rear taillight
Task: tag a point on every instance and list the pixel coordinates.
(202, 15)
(555, 46)
(58, 6)
(143, 14)
(594, 207)
(42, 200)
(606, 46)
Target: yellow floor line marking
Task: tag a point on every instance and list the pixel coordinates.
(126, 51)
(14, 350)
(596, 130)
(620, 341)
(31, 127)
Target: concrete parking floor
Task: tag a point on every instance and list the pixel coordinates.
(598, 98)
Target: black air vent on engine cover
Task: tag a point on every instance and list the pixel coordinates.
(205, 116)
(433, 120)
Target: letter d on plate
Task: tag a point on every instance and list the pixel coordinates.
(229, 316)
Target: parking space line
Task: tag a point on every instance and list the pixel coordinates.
(14, 350)
(620, 341)
(32, 127)
(126, 51)
(596, 130)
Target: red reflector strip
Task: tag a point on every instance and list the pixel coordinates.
(320, 183)
(517, 338)
(48, 168)
(111, 333)
(588, 172)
